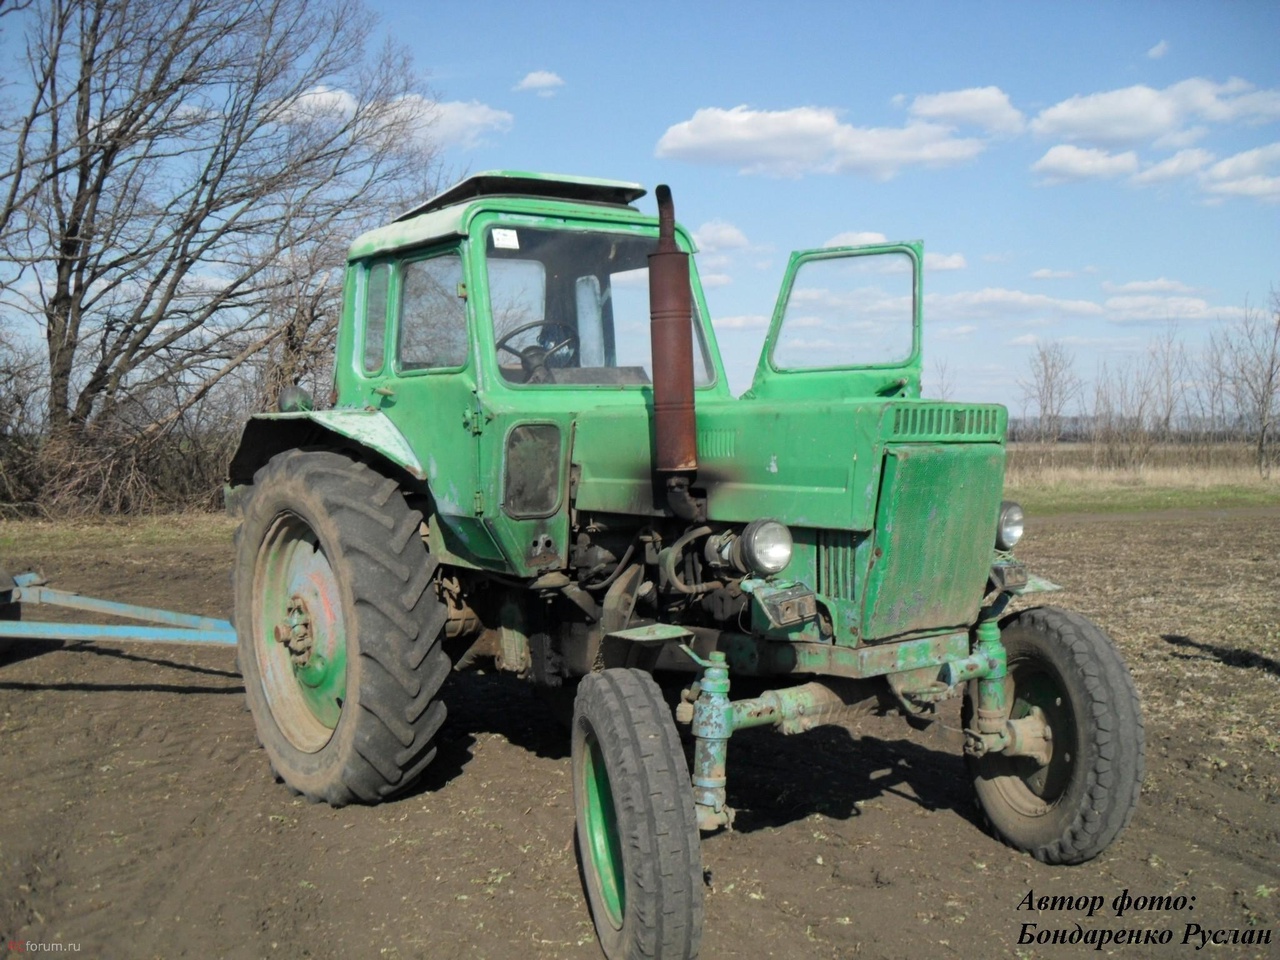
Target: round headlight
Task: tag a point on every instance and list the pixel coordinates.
(766, 547)
(1009, 529)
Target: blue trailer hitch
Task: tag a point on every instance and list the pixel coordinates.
(29, 589)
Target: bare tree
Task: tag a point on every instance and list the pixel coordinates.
(19, 421)
(1167, 371)
(943, 387)
(1249, 353)
(1209, 412)
(1052, 387)
(1124, 401)
(182, 179)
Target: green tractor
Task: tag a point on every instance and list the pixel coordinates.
(532, 460)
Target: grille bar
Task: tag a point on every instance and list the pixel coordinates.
(835, 564)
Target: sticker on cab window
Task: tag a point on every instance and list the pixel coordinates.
(505, 239)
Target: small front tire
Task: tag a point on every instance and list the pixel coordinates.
(1069, 810)
(637, 833)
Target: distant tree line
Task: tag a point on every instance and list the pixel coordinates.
(1226, 393)
(179, 180)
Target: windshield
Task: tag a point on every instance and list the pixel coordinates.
(572, 307)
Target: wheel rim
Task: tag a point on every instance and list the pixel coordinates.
(1029, 788)
(603, 843)
(299, 633)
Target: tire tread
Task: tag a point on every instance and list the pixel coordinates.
(400, 665)
(1114, 727)
(654, 803)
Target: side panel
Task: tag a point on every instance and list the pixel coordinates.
(935, 530)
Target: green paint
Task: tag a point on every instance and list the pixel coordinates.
(712, 726)
(932, 545)
(300, 634)
(604, 844)
(993, 697)
(653, 633)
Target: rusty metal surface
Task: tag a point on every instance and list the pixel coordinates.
(671, 310)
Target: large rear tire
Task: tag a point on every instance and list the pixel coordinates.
(637, 833)
(1070, 809)
(339, 628)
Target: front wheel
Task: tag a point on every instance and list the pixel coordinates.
(637, 834)
(1070, 809)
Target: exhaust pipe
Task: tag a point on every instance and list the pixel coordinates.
(671, 336)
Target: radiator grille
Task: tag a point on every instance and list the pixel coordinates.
(835, 564)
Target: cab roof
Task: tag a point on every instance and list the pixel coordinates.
(446, 212)
(516, 183)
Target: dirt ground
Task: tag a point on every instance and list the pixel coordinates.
(138, 817)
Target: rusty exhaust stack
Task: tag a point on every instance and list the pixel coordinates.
(671, 333)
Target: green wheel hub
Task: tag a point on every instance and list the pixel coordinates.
(300, 633)
(604, 845)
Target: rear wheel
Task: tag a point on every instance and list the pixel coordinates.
(1070, 809)
(637, 834)
(339, 627)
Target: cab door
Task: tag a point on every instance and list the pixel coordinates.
(417, 360)
(847, 324)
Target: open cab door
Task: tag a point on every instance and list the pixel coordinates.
(847, 324)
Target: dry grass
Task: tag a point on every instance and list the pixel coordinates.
(191, 528)
(1065, 478)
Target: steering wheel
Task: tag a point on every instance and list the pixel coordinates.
(533, 358)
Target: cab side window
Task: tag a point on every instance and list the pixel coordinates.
(375, 316)
(433, 315)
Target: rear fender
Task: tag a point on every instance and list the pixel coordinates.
(363, 432)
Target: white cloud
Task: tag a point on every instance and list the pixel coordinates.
(717, 235)
(954, 333)
(710, 280)
(1181, 164)
(986, 107)
(542, 82)
(1044, 273)
(1064, 163)
(1140, 113)
(944, 261)
(1130, 115)
(459, 124)
(742, 322)
(804, 140)
(319, 101)
(1162, 285)
(1260, 188)
(1253, 173)
(1009, 304)
(1156, 309)
(1159, 50)
(856, 238)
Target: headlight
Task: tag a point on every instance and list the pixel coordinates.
(765, 546)
(1009, 529)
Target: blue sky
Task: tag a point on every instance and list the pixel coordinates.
(1081, 172)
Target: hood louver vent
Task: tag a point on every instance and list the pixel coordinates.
(947, 422)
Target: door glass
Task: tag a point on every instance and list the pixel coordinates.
(433, 317)
(375, 316)
(848, 311)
